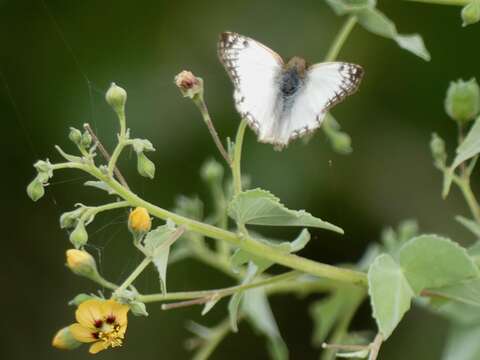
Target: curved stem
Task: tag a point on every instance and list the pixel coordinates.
(244, 242)
(217, 293)
(237, 157)
(470, 199)
(341, 38)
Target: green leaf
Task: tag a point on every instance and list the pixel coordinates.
(430, 261)
(339, 140)
(341, 7)
(390, 293)
(469, 148)
(234, 303)
(259, 313)
(413, 43)
(471, 225)
(466, 292)
(241, 257)
(332, 309)
(260, 207)
(393, 240)
(462, 343)
(378, 23)
(157, 245)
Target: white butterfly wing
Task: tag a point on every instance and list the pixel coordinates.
(326, 84)
(254, 70)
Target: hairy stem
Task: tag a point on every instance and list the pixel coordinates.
(202, 106)
(217, 293)
(444, 2)
(341, 38)
(105, 154)
(237, 157)
(244, 242)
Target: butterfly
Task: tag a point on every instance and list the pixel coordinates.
(283, 101)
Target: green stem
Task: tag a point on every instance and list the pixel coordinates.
(341, 38)
(237, 157)
(218, 334)
(104, 282)
(122, 141)
(444, 2)
(470, 198)
(244, 242)
(134, 274)
(111, 206)
(217, 293)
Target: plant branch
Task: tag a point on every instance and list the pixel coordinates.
(443, 2)
(237, 157)
(204, 296)
(202, 106)
(105, 154)
(218, 334)
(131, 278)
(341, 38)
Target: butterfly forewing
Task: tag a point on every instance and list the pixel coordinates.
(254, 70)
(326, 84)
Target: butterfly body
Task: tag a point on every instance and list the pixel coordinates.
(282, 101)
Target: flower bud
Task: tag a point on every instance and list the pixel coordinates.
(86, 140)
(145, 166)
(138, 308)
(35, 189)
(189, 85)
(75, 136)
(116, 97)
(69, 219)
(80, 298)
(341, 142)
(437, 146)
(79, 235)
(471, 13)
(139, 221)
(212, 171)
(64, 340)
(463, 100)
(81, 263)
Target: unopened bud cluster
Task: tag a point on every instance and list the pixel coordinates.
(81, 140)
(190, 86)
(36, 189)
(439, 154)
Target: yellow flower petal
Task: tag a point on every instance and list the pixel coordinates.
(97, 347)
(81, 333)
(88, 312)
(119, 311)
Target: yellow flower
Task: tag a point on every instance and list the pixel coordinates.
(102, 322)
(139, 221)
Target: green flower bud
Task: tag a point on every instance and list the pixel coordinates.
(437, 146)
(116, 97)
(138, 308)
(80, 298)
(64, 340)
(145, 166)
(69, 219)
(212, 171)
(471, 13)
(190, 86)
(463, 100)
(79, 235)
(81, 263)
(75, 136)
(35, 189)
(86, 140)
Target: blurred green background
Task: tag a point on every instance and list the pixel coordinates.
(55, 73)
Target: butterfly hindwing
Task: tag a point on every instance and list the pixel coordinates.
(253, 69)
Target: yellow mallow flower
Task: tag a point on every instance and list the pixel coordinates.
(102, 322)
